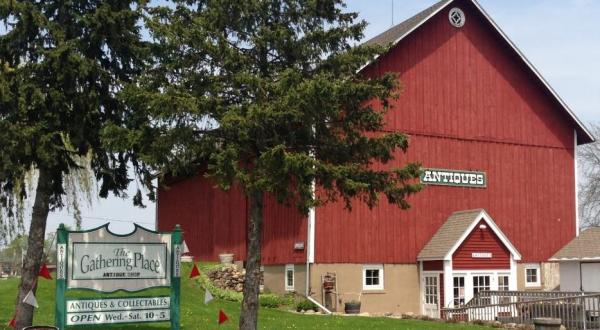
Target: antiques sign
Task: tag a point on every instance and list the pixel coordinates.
(105, 262)
(443, 177)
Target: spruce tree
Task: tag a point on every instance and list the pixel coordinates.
(62, 67)
(267, 94)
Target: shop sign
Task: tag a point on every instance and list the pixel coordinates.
(105, 262)
(444, 177)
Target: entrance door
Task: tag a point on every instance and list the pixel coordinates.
(431, 296)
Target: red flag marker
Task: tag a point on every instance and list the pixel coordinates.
(44, 272)
(222, 317)
(195, 272)
(13, 322)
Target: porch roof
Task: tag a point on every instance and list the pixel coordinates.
(584, 247)
(454, 231)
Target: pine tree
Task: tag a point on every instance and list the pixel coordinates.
(62, 67)
(268, 94)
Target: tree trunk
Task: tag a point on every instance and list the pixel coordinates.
(35, 249)
(249, 315)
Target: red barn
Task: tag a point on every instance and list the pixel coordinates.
(498, 147)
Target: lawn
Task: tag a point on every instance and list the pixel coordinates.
(196, 315)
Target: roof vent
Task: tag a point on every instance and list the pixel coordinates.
(456, 17)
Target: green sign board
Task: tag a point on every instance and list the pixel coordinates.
(444, 177)
(105, 262)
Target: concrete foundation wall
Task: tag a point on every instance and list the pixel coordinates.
(549, 277)
(274, 279)
(400, 288)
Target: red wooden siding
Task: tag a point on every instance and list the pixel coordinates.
(468, 103)
(214, 222)
(481, 240)
(433, 265)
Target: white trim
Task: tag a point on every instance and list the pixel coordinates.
(448, 283)
(486, 217)
(576, 183)
(514, 47)
(538, 269)
(292, 287)
(576, 259)
(379, 286)
(421, 288)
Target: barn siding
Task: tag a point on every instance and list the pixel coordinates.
(433, 265)
(214, 222)
(481, 240)
(468, 103)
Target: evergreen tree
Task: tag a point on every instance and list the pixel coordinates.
(62, 67)
(267, 94)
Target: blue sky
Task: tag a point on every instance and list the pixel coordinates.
(560, 37)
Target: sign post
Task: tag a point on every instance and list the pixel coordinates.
(105, 262)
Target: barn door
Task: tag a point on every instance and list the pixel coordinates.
(431, 295)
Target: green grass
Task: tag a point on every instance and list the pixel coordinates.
(196, 315)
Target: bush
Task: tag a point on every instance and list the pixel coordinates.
(305, 305)
(270, 300)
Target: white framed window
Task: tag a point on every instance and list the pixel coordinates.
(459, 290)
(289, 277)
(372, 277)
(532, 275)
(503, 285)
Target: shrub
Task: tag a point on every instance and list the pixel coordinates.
(305, 305)
(270, 300)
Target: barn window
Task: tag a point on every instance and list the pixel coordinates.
(456, 17)
(289, 277)
(373, 277)
(532, 275)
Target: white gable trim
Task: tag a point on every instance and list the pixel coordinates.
(514, 47)
(492, 225)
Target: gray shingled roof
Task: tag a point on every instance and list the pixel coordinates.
(398, 31)
(584, 247)
(448, 234)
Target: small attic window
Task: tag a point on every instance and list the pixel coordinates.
(456, 17)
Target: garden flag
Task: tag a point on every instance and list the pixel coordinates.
(13, 322)
(30, 299)
(222, 317)
(44, 272)
(195, 272)
(207, 297)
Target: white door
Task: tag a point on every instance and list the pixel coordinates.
(590, 277)
(431, 295)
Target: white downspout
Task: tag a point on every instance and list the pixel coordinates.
(310, 251)
(576, 184)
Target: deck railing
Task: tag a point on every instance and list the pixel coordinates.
(578, 311)
(496, 297)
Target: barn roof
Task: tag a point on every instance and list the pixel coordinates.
(398, 32)
(455, 230)
(584, 247)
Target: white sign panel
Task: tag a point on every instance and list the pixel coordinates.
(118, 317)
(61, 258)
(481, 255)
(102, 261)
(99, 261)
(117, 304)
